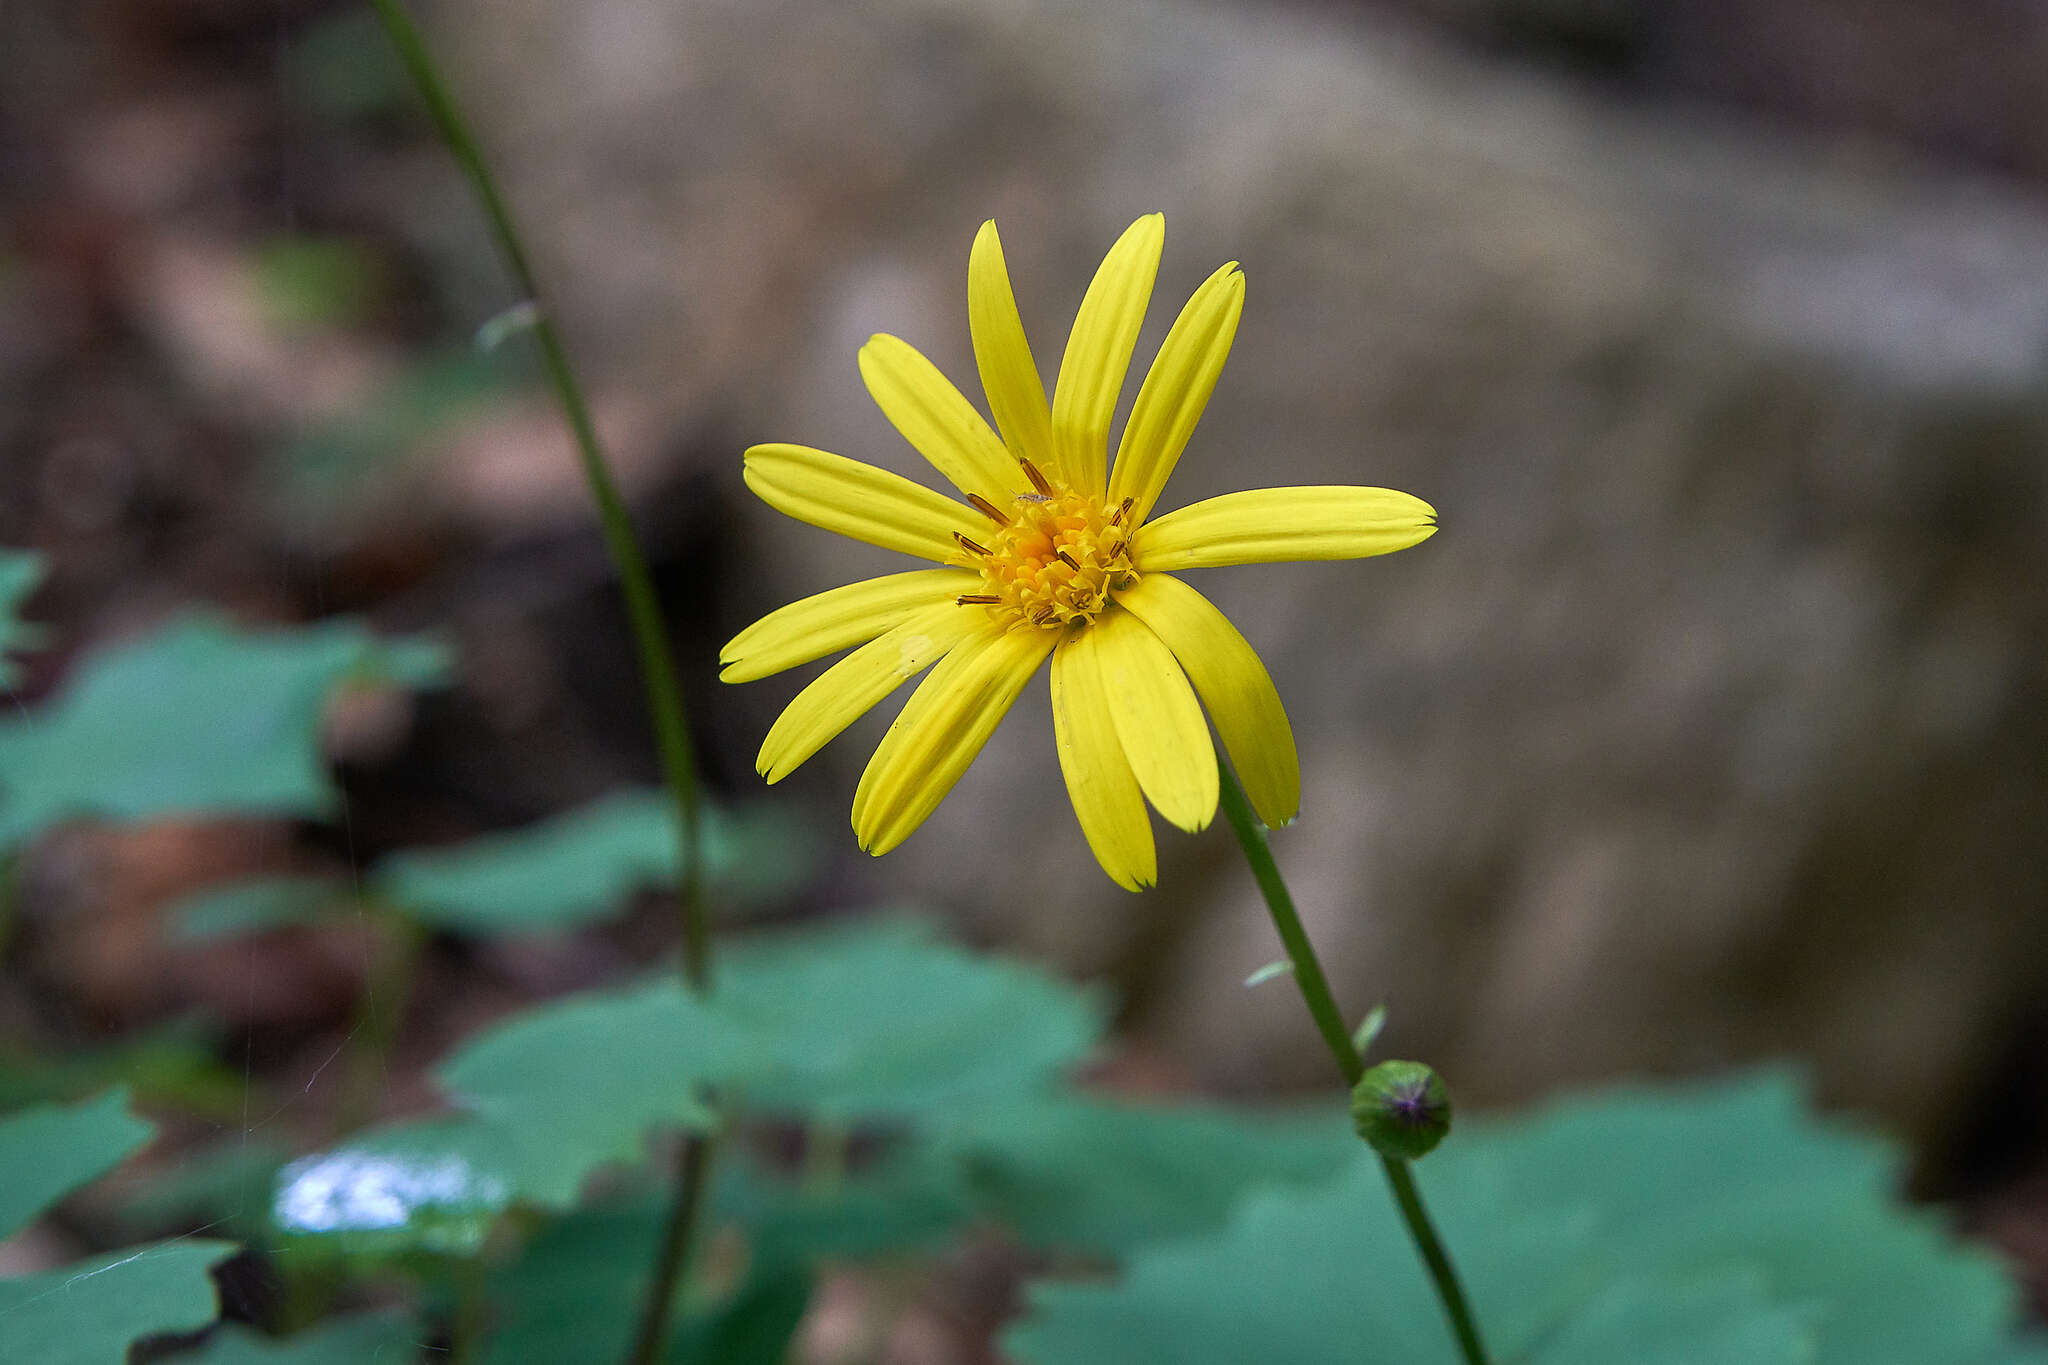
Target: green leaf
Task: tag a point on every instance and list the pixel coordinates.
(1084, 1174)
(892, 1206)
(48, 1151)
(200, 718)
(577, 1084)
(364, 1339)
(1565, 1223)
(1726, 1320)
(174, 1064)
(225, 1185)
(253, 907)
(870, 1021)
(754, 1327)
(576, 1291)
(88, 1313)
(878, 1019)
(20, 574)
(1369, 1029)
(574, 868)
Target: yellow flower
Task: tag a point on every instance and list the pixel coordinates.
(1051, 553)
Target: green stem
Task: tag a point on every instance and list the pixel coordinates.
(678, 1241)
(1322, 1007)
(387, 992)
(643, 607)
(650, 638)
(472, 1311)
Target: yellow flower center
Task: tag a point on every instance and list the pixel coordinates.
(1053, 558)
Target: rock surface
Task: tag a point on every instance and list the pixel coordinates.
(1712, 723)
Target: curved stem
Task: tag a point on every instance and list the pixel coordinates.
(1329, 1020)
(643, 607)
(643, 612)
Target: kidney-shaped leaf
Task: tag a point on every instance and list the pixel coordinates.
(1076, 1174)
(577, 1084)
(49, 1150)
(199, 718)
(363, 1339)
(88, 1313)
(1634, 1215)
(573, 868)
(879, 1019)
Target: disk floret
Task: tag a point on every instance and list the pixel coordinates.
(1053, 560)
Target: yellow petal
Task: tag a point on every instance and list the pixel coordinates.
(1099, 352)
(1157, 718)
(1176, 391)
(1232, 683)
(1267, 524)
(844, 692)
(1099, 779)
(830, 621)
(941, 729)
(859, 500)
(943, 426)
(1016, 393)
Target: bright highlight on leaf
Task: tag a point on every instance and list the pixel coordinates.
(871, 1022)
(1052, 552)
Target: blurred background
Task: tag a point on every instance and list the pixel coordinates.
(1710, 728)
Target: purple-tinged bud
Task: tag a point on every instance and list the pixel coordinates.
(1401, 1109)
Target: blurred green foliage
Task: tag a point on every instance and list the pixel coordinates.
(362, 1339)
(876, 1092)
(88, 1313)
(307, 284)
(327, 468)
(198, 718)
(48, 1150)
(1704, 1222)
(561, 873)
(20, 574)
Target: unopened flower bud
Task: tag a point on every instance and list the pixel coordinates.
(1401, 1109)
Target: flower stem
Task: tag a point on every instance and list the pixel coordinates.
(643, 607)
(1322, 1007)
(395, 943)
(643, 612)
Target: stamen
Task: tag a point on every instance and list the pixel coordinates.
(1117, 548)
(976, 599)
(1068, 560)
(988, 509)
(1122, 512)
(1043, 616)
(970, 546)
(1037, 479)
